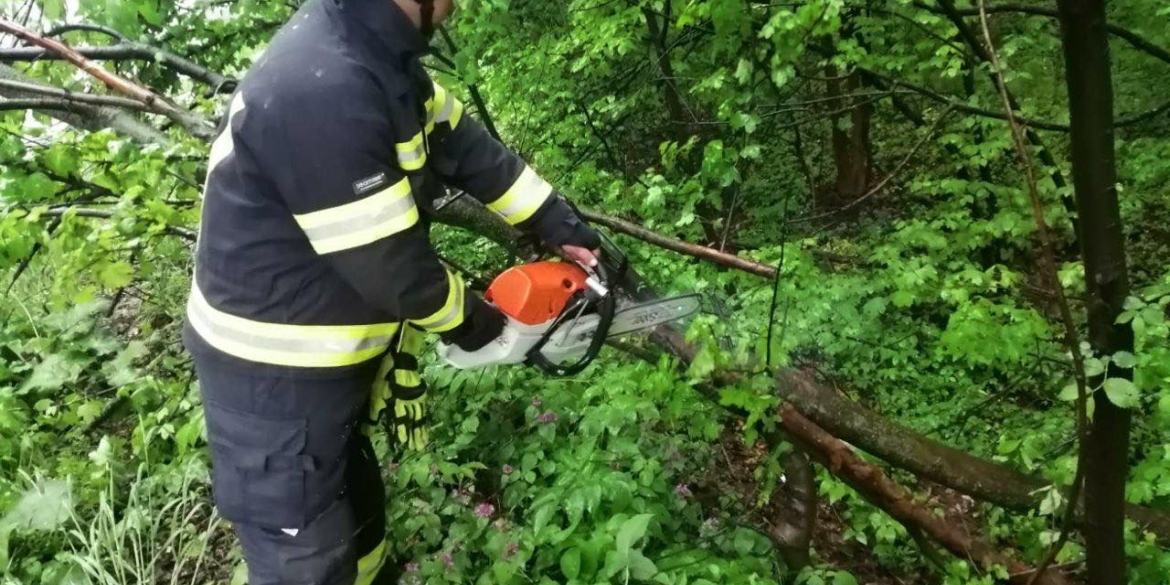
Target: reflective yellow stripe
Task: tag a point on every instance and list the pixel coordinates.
(450, 315)
(307, 346)
(524, 197)
(412, 155)
(369, 565)
(361, 222)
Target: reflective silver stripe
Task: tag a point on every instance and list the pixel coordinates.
(412, 155)
(448, 107)
(225, 143)
(288, 345)
(385, 213)
(394, 210)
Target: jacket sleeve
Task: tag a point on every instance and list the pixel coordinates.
(328, 159)
(474, 161)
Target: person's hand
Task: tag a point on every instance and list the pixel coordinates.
(580, 255)
(482, 324)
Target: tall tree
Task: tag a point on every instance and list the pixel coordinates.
(1090, 96)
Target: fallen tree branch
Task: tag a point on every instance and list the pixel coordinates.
(64, 94)
(9, 105)
(126, 50)
(87, 117)
(877, 488)
(193, 123)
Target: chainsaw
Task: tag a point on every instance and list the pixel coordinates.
(559, 314)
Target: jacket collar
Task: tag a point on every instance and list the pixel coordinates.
(381, 27)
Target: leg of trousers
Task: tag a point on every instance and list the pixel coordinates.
(296, 477)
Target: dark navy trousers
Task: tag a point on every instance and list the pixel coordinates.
(293, 472)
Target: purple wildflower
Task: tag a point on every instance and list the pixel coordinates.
(448, 560)
(547, 418)
(537, 402)
(508, 470)
(683, 490)
(411, 567)
(511, 551)
(485, 510)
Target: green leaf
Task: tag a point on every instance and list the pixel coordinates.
(1094, 367)
(641, 568)
(844, 578)
(571, 563)
(743, 542)
(1124, 359)
(902, 299)
(1122, 392)
(46, 505)
(631, 530)
(53, 9)
(116, 274)
(120, 371)
(52, 373)
(541, 517)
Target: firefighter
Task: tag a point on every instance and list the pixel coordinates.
(315, 280)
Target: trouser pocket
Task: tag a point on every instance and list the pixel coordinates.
(259, 467)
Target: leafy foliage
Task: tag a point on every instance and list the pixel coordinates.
(723, 122)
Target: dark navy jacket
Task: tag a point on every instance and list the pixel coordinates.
(313, 241)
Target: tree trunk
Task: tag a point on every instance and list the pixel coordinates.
(1090, 91)
(850, 138)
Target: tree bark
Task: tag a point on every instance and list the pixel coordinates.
(88, 117)
(1090, 91)
(850, 140)
(877, 488)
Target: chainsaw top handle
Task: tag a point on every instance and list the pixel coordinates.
(610, 270)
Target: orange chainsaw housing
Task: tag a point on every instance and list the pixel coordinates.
(536, 293)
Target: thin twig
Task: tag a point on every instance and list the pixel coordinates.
(184, 233)
(68, 28)
(1048, 265)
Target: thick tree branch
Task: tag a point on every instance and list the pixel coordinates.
(87, 117)
(129, 51)
(69, 96)
(876, 487)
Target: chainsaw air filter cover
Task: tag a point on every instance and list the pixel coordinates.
(536, 293)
